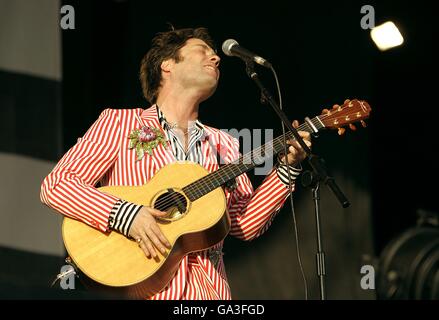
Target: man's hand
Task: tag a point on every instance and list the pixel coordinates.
(295, 152)
(147, 233)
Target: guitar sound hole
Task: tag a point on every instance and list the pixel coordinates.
(173, 202)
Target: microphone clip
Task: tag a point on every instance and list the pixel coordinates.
(250, 69)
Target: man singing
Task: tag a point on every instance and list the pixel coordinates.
(178, 73)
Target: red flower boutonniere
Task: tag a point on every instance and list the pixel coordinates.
(145, 139)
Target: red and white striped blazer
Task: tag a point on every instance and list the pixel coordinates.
(102, 155)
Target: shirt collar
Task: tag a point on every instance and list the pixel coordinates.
(198, 127)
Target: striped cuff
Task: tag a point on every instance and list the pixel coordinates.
(282, 173)
(122, 216)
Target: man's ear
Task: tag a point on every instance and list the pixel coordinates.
(166, 65)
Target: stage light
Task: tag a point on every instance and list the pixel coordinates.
(386, 36)
(409, 265)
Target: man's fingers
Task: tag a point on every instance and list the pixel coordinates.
(294, 144)
(155, 228)
(144, 249)
(295, 147)
(293, 151)
(305, 135)
(155, 240)
(157, 213)
(147, 247)
(145, 228)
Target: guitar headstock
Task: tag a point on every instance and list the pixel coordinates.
(349, 112)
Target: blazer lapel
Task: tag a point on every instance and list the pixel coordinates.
(161, 155)
(208, 148)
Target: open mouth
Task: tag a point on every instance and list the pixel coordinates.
(214, 69)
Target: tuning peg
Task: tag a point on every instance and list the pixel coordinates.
(341, 131)
(335, 106)
(325, 111)
(347, 101)
(363, 123)
(352, 127)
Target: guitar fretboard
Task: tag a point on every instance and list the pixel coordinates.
(243, 164)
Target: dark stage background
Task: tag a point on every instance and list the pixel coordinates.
(322, 56)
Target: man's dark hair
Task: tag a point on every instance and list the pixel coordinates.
(166, 45)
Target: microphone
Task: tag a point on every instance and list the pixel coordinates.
(232, 48)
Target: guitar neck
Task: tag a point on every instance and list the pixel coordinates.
(243, 164)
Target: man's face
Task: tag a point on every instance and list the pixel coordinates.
(198, 67)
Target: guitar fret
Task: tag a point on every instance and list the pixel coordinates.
(243, 164)
(259, 155)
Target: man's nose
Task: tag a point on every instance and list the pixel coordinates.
(216, 59)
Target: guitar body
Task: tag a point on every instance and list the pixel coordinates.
(116, 263)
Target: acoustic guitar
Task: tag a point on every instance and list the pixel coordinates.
(196, 219)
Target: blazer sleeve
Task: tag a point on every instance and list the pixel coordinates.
(251, 212)
(70, 187)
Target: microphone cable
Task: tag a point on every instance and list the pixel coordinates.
(290, 181)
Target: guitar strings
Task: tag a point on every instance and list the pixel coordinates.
(203, 186)
(167, 200)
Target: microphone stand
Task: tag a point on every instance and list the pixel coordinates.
(310, 178)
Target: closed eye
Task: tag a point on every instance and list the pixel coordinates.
(206, 48)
